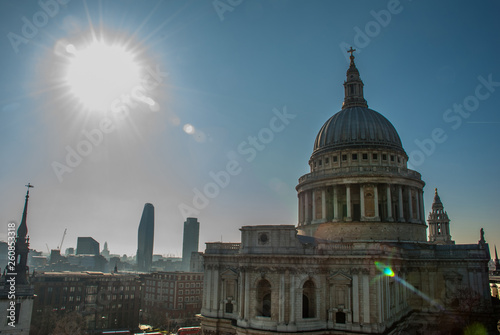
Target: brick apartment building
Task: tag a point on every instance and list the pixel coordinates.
(172, 298)
(103, 300)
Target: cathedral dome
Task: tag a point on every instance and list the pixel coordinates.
(359, 176)
(357, 127)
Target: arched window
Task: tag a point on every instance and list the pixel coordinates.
(264, 298)
(308, 300)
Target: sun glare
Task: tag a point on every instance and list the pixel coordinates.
(99, 73)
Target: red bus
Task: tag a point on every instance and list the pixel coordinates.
(189, 331)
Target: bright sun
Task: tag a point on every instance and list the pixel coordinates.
(99, 73)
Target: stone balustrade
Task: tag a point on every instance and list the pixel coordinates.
(360, 170)
(222, 248)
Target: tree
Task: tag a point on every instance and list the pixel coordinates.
(70, 324)
(44, 323)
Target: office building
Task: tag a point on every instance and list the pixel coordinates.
(145, 238)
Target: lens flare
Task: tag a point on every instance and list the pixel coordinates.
(386, 270)
(188, 128)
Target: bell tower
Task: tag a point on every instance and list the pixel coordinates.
(439, 223)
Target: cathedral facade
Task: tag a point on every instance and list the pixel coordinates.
(360, 260)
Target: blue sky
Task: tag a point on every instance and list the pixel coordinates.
(227, 68)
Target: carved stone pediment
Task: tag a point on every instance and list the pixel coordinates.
(339, 278)
(229, 274)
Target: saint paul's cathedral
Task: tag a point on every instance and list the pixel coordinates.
(362, 259)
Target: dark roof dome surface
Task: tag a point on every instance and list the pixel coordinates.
(357, 127)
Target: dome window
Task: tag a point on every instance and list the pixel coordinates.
(384, 157)
(375, 156)
(320, 162)
(335, 159)
(365, 156)
(392, 158)
(327, 160)
(344, 157)
(354, 157)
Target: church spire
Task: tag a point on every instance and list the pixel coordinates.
(22, 244)
(439, 223)
(353, 86)
(22, 231)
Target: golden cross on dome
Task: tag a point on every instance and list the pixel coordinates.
(351, 50)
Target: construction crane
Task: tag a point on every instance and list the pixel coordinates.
(48, 250)
(62, 240)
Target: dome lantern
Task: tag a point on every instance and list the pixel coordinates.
(353, 86)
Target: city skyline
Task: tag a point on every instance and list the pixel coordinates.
(237, 98)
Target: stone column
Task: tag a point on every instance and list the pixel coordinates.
(405, 292)
(417, 198)
(397, 290)
(247, 296)
(375, 191)
(207, 288)
(323, 205)
(241, 296)
(215, 302)
(432, 284)
(355, 298)
(410, 205)
(336, 216)
(480, 282)
(306, 208)
(313, 216)
(366, 298)
(472, 282)
(380, 299)
(281, 316)
(389, 204)
(348, 202)
(292, 299)
(387, 298)
(362, 201)
(422, 211)
(400, 204)
(301, 210)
